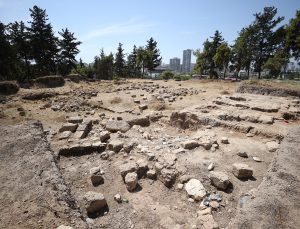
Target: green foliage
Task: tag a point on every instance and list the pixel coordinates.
(185, 77)
(276, 63)
(141, 59)
(293, 36)
(104, 66)
(166, 75)
(84, 70)
(119, 65)
(133, 69)
(222, 57)
(152, 57)
(68, 51)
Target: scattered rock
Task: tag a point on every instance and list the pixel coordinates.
(75, 119)
(104, 136)
(195, 189)
(224, 140)
(220, 180)
(214, 204)
(115, 126)
(151, 174)
(65, 135)
(94, 202)
(242, 170)
(168, 177)
(211, 167)
(64, 227)
(272, 146)
(83, 129)
(115, 145)
(207, 221)
(185, 178)
(131, 180)
(68, 127)
(139, 121)
(96, 176)
(242, 154)
(180, 186)
(142, 168)
(190, 144)
(257, 159)
(143, 107)
(118, 198)
(127, 168)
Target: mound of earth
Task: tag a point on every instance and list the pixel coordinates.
(50, 81)
(33, 193)
(8, 87)
(276, 202)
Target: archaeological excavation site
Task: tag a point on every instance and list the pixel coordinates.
(137, 153)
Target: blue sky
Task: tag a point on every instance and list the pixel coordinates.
(175, 24)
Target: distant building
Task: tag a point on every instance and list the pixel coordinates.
(175, 64)
(186, 60)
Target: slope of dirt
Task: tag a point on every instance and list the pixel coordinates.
(276, 202)
(33, 193)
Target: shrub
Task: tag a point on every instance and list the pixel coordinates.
(166, 75)
(177, 78)
(185, 77)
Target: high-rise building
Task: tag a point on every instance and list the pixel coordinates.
(186, 60)
(175, 64)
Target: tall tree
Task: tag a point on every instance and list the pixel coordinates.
(132, 66)
(141, 58)
(264, 26)
(222, 57)
(43, 42)
(67, 51)
(120, 62)
(153, 58)
(293, 36)
(104, 66)
(7, 56)
(19, 37)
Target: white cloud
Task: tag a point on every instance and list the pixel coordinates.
(130, 27)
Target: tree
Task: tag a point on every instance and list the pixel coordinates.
(153, 58)
(141, 58)
(222, 57)
(133, 69)
(293, 36)
(19, 37)
(276, 63)
(205, 60)
(266, 44)
(8, 58)
(120, 62)
(67, 51)
(43, 42)
(104, 66)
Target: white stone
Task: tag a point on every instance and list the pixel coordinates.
(195, 189)
(131, 180)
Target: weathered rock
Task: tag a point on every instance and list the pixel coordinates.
(195, 189)
(142, 168)
(118, 198)
(127, 147)
(272, 146)
(219, 179)
(64, 135)
(115, 126)
(207, 222)
(185, 178)
(94, 202)
(115, 145)
(104, 136)
(224, 140)
(206, 144)
(75, 119)
(68, 127)
(257, 159)
(265, 119)
(131, 180)
(96, 176)
(140, 121)
(211, 166)
(242, 170)
(214, 204)
(83, 129)
(151, 174)
(127, 168)
(82, 149)
(167, 177)
(190, 144)
(143, 106)
(242, 154)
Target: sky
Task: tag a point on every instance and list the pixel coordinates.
(175, 24)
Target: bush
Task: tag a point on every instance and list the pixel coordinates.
(8, 87)
(185, 77)
(166, 75)
(177, 78)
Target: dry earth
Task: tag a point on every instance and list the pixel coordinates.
(167, 148)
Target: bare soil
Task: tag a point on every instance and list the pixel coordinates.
(179, 111)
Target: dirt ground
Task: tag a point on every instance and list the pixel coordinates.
(206, 112)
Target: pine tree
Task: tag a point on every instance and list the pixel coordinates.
(8, 60)
(141, 58)
(120, 62)
(43, 42)
(19, 37)
(293, 36)
(67, 51)
(132, 66)
(153, 58)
